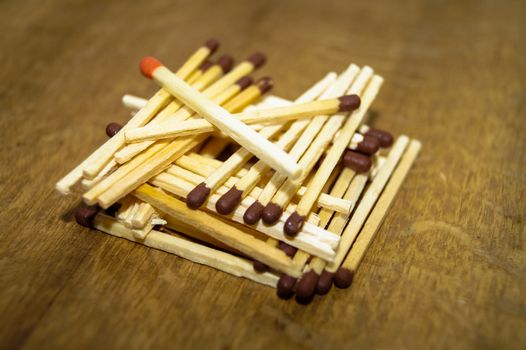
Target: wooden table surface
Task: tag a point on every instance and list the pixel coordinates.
(447, 269)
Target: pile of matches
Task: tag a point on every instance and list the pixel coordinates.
(285, 193)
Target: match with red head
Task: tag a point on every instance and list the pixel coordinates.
(148, 66)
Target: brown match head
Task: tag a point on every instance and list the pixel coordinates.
(357, 161)
(285, 287)
(271, 213)
(265, 84)
(260, 267)
(287, 248)
(212, 45)
(226, 62)
(253, 213)
(257, 59)
(343, 278)
(324, 282)
(385, 138)
(85, 215)
(370, 145)
(229, 201)
(112, 129)
(306, 287)
(293, 224)
(148, 66)
(196, 197)
(205, 65)
(349, 103)
(244, 82)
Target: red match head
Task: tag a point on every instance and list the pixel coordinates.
(148, 65)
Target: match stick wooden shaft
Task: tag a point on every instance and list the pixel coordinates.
(336, 151)
(143, 215)
(321, 141)
(189, 250)
(338, 190)
(339, 220)
(248, 182)
(108, 168)
(238, 159)
(312, 239)
(242, 155)
(133, 102)
(375, 219)
(266, 116)
(240, 132)
(160, 99)
(96, 161)
(367, 202)
(152, 156)
(91, 196)
(309, 131)
(151, 166)
(196, 174)
(175, 111)
(218, 143)
(218, 229)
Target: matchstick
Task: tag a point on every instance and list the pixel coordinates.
(131, 212)
(228, 203)
(315, 279)
(274, 209)
(155, 158)
(200, 193)
(176, 111)
(312, 239)
(242, 86)
(367, 202)
(199, 72)
(160, 99)
(261, 116)
(189, 250)
(348, 186)
(237, 130)
(231, 199)
(307, 131)
(96, 161)
(294, 222)
(126, 206)
(344, 275)
(133, 102)
(218, 91)
(221, 67)
(218, 229)
(143, 215)
(217, 144)
(175, 173)
(196, 173)
(198, 196)
(108, 169)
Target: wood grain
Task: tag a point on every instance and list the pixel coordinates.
(446, 270)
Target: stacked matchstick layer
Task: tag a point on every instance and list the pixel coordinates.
(285, 193)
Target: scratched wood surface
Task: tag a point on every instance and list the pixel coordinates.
(447, 269)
